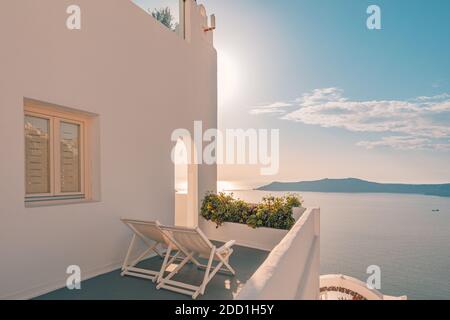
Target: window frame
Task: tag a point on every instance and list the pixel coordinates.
(50, 160)
(57, 167)
(55, 118)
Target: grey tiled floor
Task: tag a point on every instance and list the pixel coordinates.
(112, 286)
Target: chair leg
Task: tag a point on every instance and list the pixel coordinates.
(227, 264)
(206, 278)
(164, 265)
(174, 272)
(130, 249)
(129, 268)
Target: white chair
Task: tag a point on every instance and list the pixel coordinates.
(155, 239)
(193, 242)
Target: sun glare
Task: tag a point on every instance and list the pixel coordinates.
(225, 186)
(228, 77)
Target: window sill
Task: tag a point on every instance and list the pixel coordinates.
(54, 203)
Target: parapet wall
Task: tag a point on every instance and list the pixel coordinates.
(292, 270)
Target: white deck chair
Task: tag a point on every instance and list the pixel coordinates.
(194, 242)
(155, 239)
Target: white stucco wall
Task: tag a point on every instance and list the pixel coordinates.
(143, 81)
(292, 270)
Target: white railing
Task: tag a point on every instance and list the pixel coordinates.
(292, 270)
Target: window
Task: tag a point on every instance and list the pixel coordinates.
(55, 155)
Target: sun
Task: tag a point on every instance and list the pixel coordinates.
(228, 77)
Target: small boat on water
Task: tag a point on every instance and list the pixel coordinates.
(436, 210)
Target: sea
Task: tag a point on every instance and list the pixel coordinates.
(407, 236)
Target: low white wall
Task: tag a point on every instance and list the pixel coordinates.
(262, 238)
(292, 270)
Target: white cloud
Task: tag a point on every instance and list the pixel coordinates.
(420, 123)
(405, 143)
(274, 108)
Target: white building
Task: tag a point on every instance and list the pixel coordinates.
(116, 88)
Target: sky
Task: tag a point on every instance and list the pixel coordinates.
(348, 101)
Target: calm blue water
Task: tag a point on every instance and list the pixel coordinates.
(399, 233)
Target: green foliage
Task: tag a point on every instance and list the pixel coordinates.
(164, 15)
(272, 212)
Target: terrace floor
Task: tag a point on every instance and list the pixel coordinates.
(112, 286)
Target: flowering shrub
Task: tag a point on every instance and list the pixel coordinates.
(272, 212)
